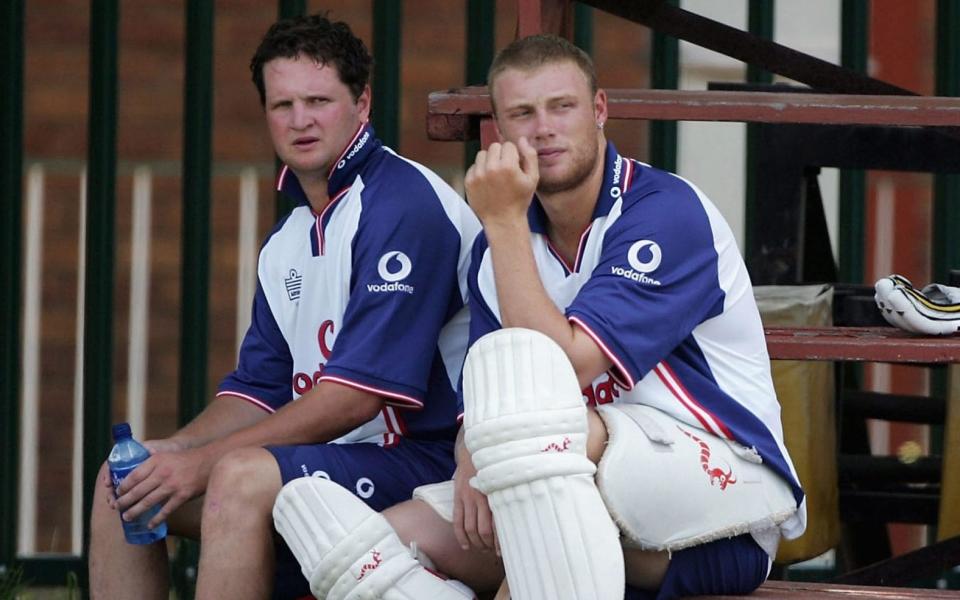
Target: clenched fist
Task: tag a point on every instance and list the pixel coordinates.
(501, 182)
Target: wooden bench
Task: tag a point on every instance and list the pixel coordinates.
(774, 590)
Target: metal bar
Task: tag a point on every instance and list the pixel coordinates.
(865, 469)
(664, 75)
(853, 185)
(946, 250)
(449, 111)
(286, 9)
(759, 23)
(583, 27)
(751, 49)
(195, 242)
(869, 344)
(11, 183)
(928, 561)
(197, 126)
(481, 21)
(52, 570)
(101, 242)
(387, 18)
(894, 407)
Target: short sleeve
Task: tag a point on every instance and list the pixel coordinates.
(264, 367)
(655, 281)
(403, 289)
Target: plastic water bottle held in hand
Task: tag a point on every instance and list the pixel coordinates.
(126, 455)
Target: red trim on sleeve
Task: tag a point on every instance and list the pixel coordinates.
(249, 399)
(618, 372)
(391, 398)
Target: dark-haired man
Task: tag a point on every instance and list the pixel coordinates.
(620, 418)
(349, 368)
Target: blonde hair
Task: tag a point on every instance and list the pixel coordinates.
(537, 50)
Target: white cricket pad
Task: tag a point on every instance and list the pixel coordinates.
(348, 551)
(526, 429)
(933, 310)
(670, 486)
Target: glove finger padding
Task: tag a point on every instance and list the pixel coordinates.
(348, 551)
(526, 429)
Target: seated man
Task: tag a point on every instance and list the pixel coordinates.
(349, 368)
(598, 272)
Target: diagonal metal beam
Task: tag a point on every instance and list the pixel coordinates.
(662, 17)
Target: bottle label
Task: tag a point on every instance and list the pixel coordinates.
(118, 475)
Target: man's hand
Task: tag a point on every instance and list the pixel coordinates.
(472, 519)
(501, 182)
(168, 478)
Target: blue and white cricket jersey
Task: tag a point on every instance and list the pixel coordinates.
(370, 294)
(661, 287)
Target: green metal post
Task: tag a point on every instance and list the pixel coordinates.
(11, 182)
(286, 9)
(760, 22)
(195, 242)
(946, 250)
(197, 125)
(481, 18)
(664, 75)
(387, 17)
(854, 52)
(583, 27)
(99, 259)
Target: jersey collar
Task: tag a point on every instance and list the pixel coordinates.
(618, 172)
(343, 171)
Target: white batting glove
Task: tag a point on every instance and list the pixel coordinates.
(933, 310)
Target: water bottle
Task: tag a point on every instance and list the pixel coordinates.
(126, 455)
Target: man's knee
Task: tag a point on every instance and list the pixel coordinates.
(248, 477)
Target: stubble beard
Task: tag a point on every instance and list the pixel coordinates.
(580, 170)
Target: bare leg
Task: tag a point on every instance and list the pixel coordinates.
(236, 556)
(415, 521)
(119, 570)
(504, 592)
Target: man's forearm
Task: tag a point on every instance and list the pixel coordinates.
(223, 416)
(329, 411)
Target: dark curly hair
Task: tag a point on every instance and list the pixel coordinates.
(315, 36)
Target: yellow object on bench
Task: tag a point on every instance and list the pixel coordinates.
(806, 393)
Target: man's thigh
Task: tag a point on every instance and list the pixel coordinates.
(379, 476)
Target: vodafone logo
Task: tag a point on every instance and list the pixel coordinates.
(394, 267)
(644, 257)
(644, 266)
(399, 260)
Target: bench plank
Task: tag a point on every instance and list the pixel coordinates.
(452, 114)
(781, 590)
(868, 344)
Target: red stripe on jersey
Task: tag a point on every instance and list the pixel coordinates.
(249, 399)
(709, 421)
(393, 398)
(319, 218)
(620, 373)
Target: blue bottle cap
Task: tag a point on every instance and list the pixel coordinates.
(121, 430)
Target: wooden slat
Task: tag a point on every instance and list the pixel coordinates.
(869, 344)
(451, 113)
(783, 590)
(949, 522)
